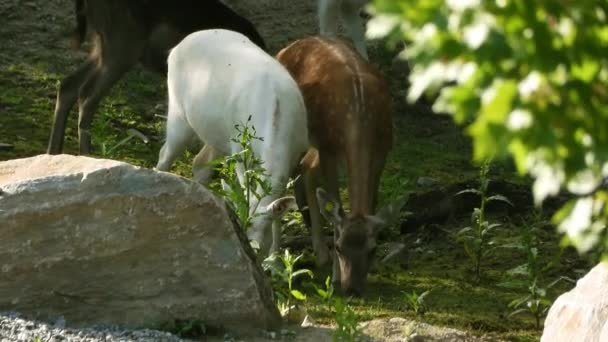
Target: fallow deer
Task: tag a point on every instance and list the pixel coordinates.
(350, 124)
(216, 80)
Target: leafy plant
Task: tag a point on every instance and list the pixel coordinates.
(476, 238)
(346, 322)
(528, 275)
(327, 293)
(242, 197)
(416, 302)
(535, 303)
(530, 81)
(345, 317)
(283, 273)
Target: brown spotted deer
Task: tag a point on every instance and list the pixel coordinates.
(350, 124)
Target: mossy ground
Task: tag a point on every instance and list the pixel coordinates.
(426, 144)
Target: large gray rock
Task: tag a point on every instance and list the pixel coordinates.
(104, 242)
(582, 313)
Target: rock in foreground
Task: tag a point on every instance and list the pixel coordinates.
(582, 313)
(103, 242)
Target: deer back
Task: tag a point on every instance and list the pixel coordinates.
(349, 110)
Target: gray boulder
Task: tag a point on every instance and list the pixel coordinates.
(103, 242)
(582, 313)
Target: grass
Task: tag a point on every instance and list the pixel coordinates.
(455, 301)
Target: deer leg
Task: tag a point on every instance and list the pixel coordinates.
(329, 169)
(67, 94)
(354, 25)
(202, 172)
(329, 12)
(299, 189)
(377, 168)
(179, 133)
(318, 243)
(118, 55)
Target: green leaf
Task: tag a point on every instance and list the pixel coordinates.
(516, 312)
(468, 191)
(500, 198)
(322, 293)
(493, 225)
(298, 295)
(302, 271)
(519, 270)
(464, 230)
(516, 245)
(422, 295)
(513, 284)
(519, 301)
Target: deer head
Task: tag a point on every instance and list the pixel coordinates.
(355, 239)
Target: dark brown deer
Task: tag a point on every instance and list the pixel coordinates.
(126, 32)
(350, 124)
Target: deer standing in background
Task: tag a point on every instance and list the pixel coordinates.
(330, 11)
(126, 32)
(350, 125)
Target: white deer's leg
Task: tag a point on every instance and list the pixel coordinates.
(179, 133)
(201, 170)
(354, 25)
(329, 14)
(261, 227)
(277, 208)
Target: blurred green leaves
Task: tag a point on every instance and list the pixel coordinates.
(529, 79)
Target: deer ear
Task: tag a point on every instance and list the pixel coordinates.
(329, 207)
(279, 206)
(388, 215)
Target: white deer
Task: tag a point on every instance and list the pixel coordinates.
(216, 80)
(331, 10)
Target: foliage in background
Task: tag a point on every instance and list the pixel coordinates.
(529, 79)
(347, 321)
(242, 199)
(476, 238)
(415, 301)
(282, 275)
(326, 294)
(529, 275)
